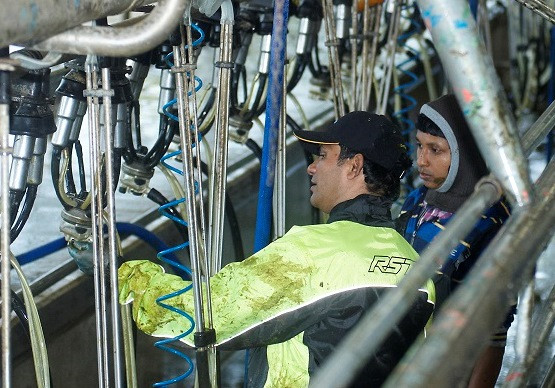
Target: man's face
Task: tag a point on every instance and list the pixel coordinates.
(433, 159)
(327, 178)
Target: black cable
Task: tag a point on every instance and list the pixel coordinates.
(18, 306)
(231, 217)
(298, 70)
(30, 196)
(158, 150)
(70, 183)
(158, 198)
(81, 165)
(255, 148)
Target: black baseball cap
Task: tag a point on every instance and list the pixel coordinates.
(372, 135)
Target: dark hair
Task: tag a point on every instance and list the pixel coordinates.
(379, 180)
(424, 124)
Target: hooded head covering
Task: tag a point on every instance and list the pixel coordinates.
(467, 165)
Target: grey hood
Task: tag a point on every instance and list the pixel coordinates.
(467, 165)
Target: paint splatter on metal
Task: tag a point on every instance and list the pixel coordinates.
(460, 23)
(467, 95)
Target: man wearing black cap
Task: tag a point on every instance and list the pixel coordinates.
(292, 302)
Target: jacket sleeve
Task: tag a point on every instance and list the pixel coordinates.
(255, 302)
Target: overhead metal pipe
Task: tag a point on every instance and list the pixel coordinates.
(119, 41)
(377, 323)
(29, 21)
(471, 73)
(474, 311)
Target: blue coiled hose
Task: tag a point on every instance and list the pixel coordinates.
(408, 102)
(164, 255)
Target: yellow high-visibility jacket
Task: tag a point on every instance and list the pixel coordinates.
(293, 300)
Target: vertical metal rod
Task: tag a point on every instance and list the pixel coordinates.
(333, 53)
(111, 221)
(524, 322)
(354, 49)
(188, 175)
(219, 172)
(369, 85)
(191, 111)
(377, 323)
(281, 160)
(479, 91)
(5, 151)
(540, 331)
(385, 81)
(97, 221)
(127, 328)
(365, 49)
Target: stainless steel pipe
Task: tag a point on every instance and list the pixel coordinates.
(471, 73)
(25, 22)
(100, 292)
(221, 139)
(541, 329)
(120, 41)
(539, 130)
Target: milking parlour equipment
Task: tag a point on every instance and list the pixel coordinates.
(74, 83)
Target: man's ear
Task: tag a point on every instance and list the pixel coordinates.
(356, 165)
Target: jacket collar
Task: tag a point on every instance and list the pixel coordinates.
(365, 209)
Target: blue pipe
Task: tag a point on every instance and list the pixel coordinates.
(271, 127)
(43, 250)
(124, 228)
(474, 7)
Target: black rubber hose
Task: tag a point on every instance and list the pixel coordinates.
(81, 166)
(255, 148)
(158, 198)
(30, 196)
(18, 306)
(231, 216)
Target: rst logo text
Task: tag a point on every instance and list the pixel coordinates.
(389, 264)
